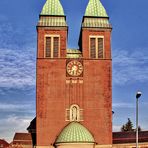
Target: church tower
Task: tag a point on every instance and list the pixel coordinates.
(50, 89)
(74, 89)
(95, 43)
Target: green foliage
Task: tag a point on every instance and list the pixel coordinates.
(128, 126)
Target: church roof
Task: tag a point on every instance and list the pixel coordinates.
(32, 127)
(95, 9)
(129, 137)
(75, 133)
(73, 53)
(52, 7)
(22, 138)
(3, 143)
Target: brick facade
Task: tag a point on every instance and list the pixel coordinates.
(56, 92)
(50, 90)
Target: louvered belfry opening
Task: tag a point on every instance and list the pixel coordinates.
(48, 46)
(52, 47)
(96, 47)
(100, 47)
(55, 46)
(92, 47)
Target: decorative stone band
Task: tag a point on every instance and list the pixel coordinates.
(75, 145)
(44, 147)
(103, 146)
(52, 21)
(82, 145)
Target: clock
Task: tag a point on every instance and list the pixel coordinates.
(74, 68)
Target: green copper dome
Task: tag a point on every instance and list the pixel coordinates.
(75, 133)
(96, 9)
(52, 7)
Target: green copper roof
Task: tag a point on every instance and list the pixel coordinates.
(96, 9)
(96, 22)
(52, 7)
(52, 21)
(75, 133)
(73, 53)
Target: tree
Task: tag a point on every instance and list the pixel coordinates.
(128, 126)
(123, 128)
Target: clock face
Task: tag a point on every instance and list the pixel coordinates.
(74, 68)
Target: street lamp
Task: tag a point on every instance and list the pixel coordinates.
(138, 94)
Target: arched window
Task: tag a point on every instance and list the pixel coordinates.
(74, 113)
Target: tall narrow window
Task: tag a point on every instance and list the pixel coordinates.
(92, 47)
(52, 47)
(96, 47)
(56, 46)
(100, 47)
(48, 46)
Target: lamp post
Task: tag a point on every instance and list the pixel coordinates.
(138, 94)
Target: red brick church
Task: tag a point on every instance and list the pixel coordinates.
(74, 90)
(74, 86)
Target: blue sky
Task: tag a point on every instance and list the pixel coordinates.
(18, 21)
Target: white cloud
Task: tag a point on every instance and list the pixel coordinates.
(116, 128)
(130, 67)
(23, 107)
(128, 105)
(123, 105)
(17, 68)
(17, 61)
(17, 71)
(12, 124)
